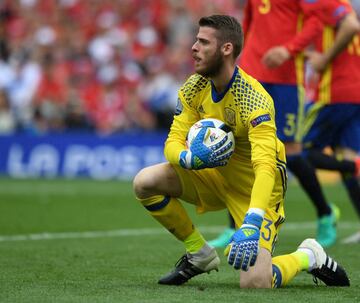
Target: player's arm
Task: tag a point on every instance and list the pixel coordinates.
(312, 28)
(315, 16)
(348, 26)
(244, 247)
(185, 116)
(197, 155)
(262, 137)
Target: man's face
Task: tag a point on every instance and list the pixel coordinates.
(206, 53)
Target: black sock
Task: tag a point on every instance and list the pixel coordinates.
(323, 161)
(231, 221)
(353, 189)
(306, 175)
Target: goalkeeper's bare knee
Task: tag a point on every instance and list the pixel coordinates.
(144, 184)
(259, 275)
(159, 179)
(256, 281)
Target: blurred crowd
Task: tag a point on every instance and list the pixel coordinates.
(103, 66)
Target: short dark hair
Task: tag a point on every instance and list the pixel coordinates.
(229, 30)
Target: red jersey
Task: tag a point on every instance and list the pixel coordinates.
(340, 82)
(269, 23)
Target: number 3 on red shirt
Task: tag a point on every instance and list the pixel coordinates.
(265, 7)
(354, 46)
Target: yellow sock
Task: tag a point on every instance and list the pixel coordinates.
(171, 214)
(194, 242)
(285, 268)
(303, 259)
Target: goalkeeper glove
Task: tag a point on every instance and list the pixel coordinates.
(199, 156)
(244, 244)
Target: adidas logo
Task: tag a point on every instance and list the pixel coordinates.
(248, 232)
(198, 162)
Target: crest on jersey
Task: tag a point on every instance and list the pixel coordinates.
(230, 116)
(178, 107)
(260, 119)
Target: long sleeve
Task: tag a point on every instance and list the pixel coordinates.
(263, 157)
(316, 16)
(311, 30)
(181, 124)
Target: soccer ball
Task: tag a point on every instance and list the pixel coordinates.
(216, 130)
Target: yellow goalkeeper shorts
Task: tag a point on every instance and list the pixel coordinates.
(208, 191)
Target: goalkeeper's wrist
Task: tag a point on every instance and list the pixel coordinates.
(185, 159)
(254, 217)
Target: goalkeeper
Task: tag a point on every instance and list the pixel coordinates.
(251, 185)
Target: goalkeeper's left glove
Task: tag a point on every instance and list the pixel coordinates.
(244, 244)
(199, 156)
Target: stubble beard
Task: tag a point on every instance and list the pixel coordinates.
(214, 67)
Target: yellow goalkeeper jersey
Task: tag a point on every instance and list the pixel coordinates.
(257, 168)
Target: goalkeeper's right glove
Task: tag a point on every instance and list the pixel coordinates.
(244, 247)
(199, 156)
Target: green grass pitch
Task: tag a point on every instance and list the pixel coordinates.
(88, 241)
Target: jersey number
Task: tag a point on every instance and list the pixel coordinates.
(290, 128)
(354, 46)
(264, 7)
(267, 236)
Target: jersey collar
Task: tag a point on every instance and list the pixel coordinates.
(217, 97)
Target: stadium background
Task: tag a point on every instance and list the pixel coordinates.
(87, 89)
(91, 67)
(95, 75)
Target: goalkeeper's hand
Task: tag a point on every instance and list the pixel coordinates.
(244, 244)
(199, 156)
